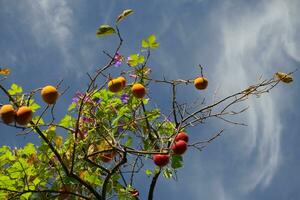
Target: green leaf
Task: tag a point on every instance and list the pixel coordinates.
(134, 56)
(15, 89)
(128, 143)
(148, 172)
(135, 59)
(156, 170)
(145, 101)
(26, 195)
(145, 44)
(6, 155)
(116, 120)
(58, 140)
(36, 118)
(29, 149)
(34, 106)
(105, 30)
(124, 14)
(167, 173)
(132, 60)
(66, 121)
(4, 149)
(177, 161)
(153, 114)
(151, 39)
(50, 132)
(151, 42)
(154, 45)
(71, 106)
(93, 179)
(141, 59)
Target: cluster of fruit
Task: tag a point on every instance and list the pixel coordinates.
(179, 146)
(23, 115)
(139, 91)
(117, 84)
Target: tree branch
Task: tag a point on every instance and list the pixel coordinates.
(153, 184)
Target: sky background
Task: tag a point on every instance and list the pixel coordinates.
(44, 41)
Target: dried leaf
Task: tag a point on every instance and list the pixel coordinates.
(286, 78)
(4, 71)
(124, 14)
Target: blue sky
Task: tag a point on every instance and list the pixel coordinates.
(44, 41)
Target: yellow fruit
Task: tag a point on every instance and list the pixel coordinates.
(115, 85)
(201, 83)
(138, 90)
(7, 113)
(123, 81)
(49, 94)
(23, 115)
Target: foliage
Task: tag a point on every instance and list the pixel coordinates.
(106, 133)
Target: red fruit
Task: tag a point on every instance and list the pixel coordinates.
(161, 159)
(182, 136)
(179, 147)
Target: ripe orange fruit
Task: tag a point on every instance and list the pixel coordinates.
(49, 94)
(115, 85)
(23, 115)
(138, 90)
(201, 83)
(123, 81)
(7, 113)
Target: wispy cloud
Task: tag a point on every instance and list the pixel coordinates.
(52, 22)
(256, 41)
(242, 41)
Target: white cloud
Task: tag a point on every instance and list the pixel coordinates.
(257, 39)
(52, 24)
(254, 42)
